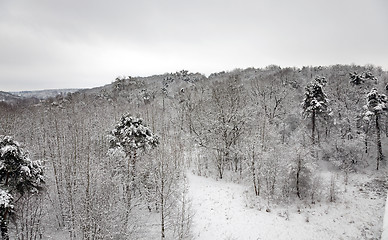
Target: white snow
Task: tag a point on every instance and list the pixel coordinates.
(384, 236)
(5, 199)
(222, 211)
(6, 149)
(26, 170)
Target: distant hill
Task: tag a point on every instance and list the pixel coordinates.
(43, 94)
(9, 98)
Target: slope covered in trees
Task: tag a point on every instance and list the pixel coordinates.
(245, 126)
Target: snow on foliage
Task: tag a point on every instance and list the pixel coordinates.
(17, 170)
(315, 99)
(25, 170)
(19, 175)
(358, 79)
(376, 103)
(116, 152)
(131, 133)
(8, 150)
(5, 200)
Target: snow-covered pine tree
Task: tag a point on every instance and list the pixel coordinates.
(315, 102)
(376, 106)
(130, 136)
(19, 175)
(358, 79)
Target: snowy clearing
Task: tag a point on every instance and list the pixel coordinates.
(222, 211)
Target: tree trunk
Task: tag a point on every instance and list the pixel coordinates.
(253, 169)
(162, 214)
(313, 127)
(133, 170)
(4, 227)
(378, 142)
(58, 174)
(127, 194)
(220, 164)
(263, 135)
(297, 177)
(87, 193)
(162, 196)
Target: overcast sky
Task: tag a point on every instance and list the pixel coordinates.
(47, 44)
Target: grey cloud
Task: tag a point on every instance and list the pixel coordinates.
(83, 41)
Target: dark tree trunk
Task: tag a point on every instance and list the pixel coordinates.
(313, 127)
(378, 142)
(220, 164)
(297, 178)
(253, 169)
(162, 210)
(4, 227)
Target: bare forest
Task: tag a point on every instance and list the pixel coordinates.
(116, 162)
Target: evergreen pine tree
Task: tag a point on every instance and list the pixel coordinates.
(315, 102)
(358, 79)
(18, 176)
(376, 106)
(129, 136)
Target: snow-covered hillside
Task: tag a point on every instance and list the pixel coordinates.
(317, 175)
(225, 210)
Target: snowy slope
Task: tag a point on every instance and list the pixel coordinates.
(384, 235)
(221, 212)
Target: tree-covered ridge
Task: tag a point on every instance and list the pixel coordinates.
(252, 126)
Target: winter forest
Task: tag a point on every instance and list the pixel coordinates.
(271, 153)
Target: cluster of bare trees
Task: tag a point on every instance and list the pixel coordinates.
(249, 126)
(93, 192)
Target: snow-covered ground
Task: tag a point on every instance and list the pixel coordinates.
(222, 211)
(384, 235)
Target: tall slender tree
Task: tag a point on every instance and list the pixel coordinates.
(130, 136)
(376, 106)
(315, 102)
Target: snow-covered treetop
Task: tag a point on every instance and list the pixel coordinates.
(320, 80)
(358, 79)
(130, 133)
(376, 102)
(10, 152)
(17, 171)
(315, 99)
